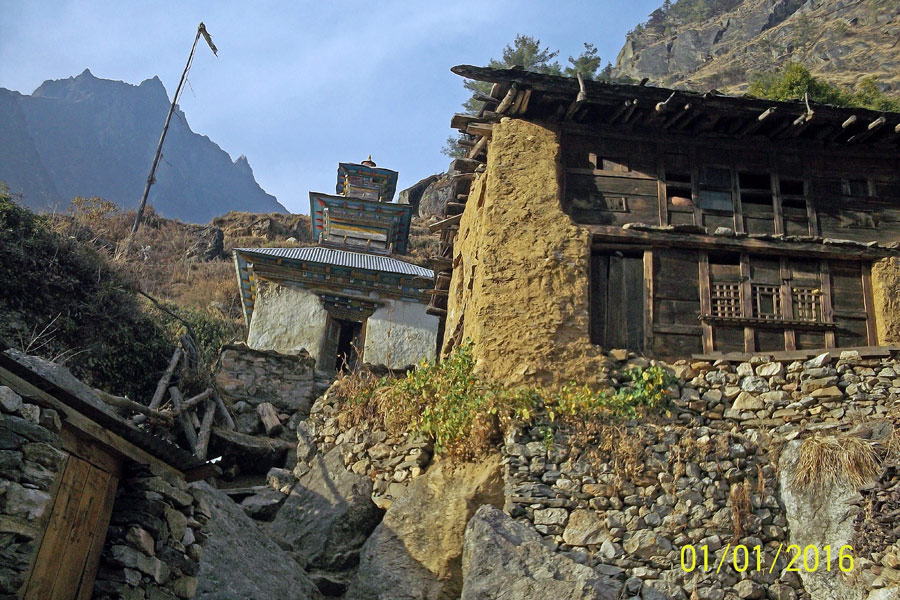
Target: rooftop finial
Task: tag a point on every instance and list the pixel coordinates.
(369, 162)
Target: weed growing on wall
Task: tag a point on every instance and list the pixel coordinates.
(465, 416)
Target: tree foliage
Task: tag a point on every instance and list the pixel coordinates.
(526, 52)
(794, 82)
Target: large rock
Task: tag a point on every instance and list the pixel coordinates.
(503, 558)
(240, 561)
(413, 194)
(824, 515)
(416, 551)
(329, 513)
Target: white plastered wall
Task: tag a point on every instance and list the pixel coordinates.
(287, 318)
(400, 334)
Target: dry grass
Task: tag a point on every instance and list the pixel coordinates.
(828, 460)
(739, 499)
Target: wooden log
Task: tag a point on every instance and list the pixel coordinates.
(120, 402)
(183, 419)
(478, 147)
(189, 404)
(161, 386)
(223, 412)
(269, 417)
(508, 99)
(205, 430)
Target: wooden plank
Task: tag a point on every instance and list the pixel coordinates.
(634, 302)
(671, 239)
(787, 304)
(615, 321)
(678, 329)
(75, 442)
(445, 223)
(648, 300)
(65, 508)
(599, 291)
(113, 442)
(661, 190)
(705, 302)
(80, 536)
(747, 302)
(86, 586)
(864, 352)
(826, 283)
(869, 303)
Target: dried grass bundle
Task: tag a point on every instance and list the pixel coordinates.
(827, 460)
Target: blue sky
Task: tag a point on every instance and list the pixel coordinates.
(299, 86)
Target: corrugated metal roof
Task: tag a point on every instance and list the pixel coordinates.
(343, 258)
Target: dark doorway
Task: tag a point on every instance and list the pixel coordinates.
(343, 341)
(617, 300)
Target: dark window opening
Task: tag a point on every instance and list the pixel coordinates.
(856, 187)
(755, 181)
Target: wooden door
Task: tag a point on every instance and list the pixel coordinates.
(617, 301)
(328, 355)
(69, 554)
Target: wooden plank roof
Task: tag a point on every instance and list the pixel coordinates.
(523, 94)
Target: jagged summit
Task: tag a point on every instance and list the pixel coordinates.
(88, 136)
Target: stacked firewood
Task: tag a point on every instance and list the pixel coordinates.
(193, 416)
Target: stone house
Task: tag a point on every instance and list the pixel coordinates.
(669, 223)
(90, 505)
(348, 298)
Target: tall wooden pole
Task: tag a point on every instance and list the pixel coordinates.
(151, 178)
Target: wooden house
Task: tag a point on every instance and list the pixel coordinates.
(53, 551)
(349, 298)
(713, 224)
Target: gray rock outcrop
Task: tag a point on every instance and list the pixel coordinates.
(503, 558)
(240, 561)
(416, 551)
(413, 194)
(329, 513)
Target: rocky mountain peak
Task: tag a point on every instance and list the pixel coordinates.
(685, 47)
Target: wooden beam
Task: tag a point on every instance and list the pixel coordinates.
(122, 402)
(508, 99)
(112, 442)
(187, 427)
(205, 430)
(478, 147)
(223, 412)
(445, 223)
(672, 239)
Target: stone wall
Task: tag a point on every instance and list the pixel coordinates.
(246, 378)
(154, 543)
(30, 462)
(521, 274)
(287, 319)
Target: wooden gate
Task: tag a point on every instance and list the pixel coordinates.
(69, 553)
(617, 301)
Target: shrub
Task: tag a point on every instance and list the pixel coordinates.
(465, 416)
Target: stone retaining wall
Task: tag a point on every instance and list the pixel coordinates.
(29, 464)
(154, 542)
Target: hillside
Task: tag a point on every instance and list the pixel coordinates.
(720, 44)
(85, 136)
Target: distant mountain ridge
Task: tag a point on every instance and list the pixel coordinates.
(85, 136)
(839, 40)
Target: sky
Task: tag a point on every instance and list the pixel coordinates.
(300, 86)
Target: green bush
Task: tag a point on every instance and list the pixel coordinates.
(61, 300)
(465, 416)
(794, 81)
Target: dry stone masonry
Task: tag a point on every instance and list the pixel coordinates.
(30, 462)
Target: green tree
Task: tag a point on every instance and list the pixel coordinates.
(587, 63)
(794, 81)
(525, 52)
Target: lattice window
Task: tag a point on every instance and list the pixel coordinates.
(807, 303)
(767, 302)
(726, 299)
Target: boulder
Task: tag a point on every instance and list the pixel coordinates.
(503, 558)
(209, 244)
(240, 561)
(328, 514)
(416, 551)
(413, 194)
